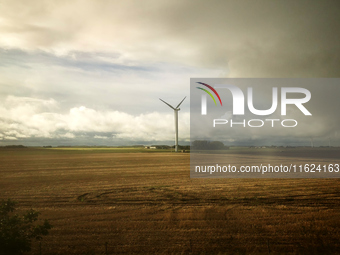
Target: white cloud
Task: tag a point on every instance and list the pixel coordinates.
(29, 117)
(67, 135)
(10, 138)
(100, 137)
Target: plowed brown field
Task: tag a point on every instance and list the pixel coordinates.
(111, 202)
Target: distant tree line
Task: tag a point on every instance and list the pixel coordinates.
(13, 147)
(208, 145)
(182, 147)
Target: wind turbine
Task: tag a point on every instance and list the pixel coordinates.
(176, 120)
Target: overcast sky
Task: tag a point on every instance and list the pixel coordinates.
(91, 72)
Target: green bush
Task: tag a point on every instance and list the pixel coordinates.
(17, 231)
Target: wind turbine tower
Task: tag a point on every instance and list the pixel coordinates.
(176, 120)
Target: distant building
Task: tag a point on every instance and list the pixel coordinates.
(157, 147)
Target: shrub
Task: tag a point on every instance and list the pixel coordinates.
(17, 231)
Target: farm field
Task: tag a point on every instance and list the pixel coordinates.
(133, 201)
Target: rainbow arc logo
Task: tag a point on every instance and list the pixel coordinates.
(209, 93)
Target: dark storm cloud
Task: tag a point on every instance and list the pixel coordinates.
(245, 38)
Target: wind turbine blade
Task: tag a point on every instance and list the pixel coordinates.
(181, 102)
(167, 104)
